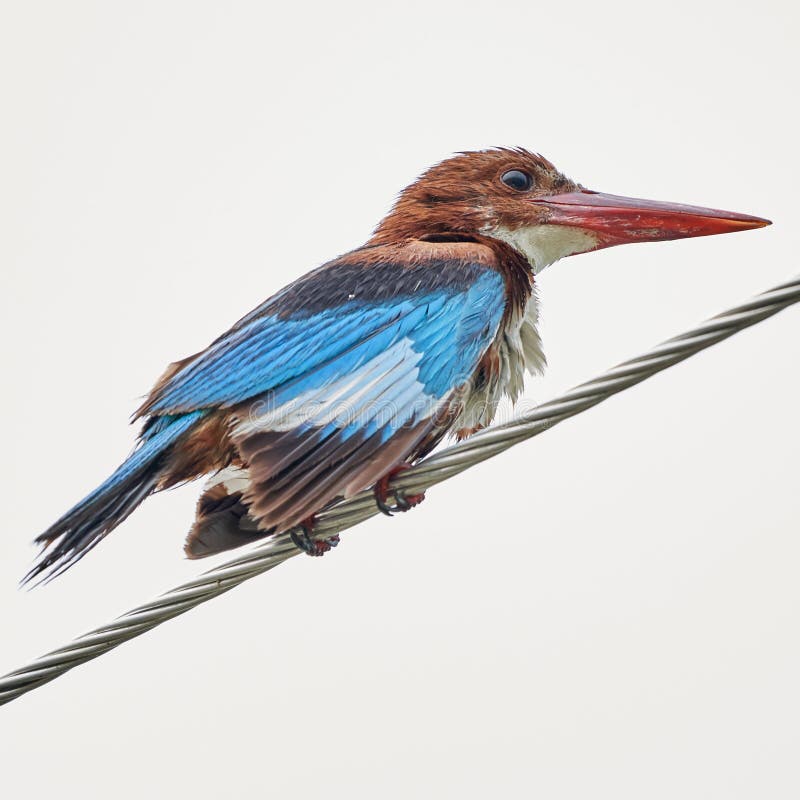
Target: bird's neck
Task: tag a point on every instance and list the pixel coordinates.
(412, 218)
(539, 245)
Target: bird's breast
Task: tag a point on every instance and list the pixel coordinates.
(516, 349)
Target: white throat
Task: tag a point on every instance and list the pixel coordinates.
(543, 245)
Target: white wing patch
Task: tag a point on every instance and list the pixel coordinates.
(384, 389)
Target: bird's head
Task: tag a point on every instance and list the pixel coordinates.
(523, 200)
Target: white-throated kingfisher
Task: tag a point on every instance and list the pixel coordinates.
(362, 366)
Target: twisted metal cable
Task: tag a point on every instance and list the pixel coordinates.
(433, 470)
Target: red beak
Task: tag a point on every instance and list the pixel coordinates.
(619, 220)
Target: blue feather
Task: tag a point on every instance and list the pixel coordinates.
(104, 508)
(290, 356)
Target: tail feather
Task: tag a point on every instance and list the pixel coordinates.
(223, 521)
(83, 526)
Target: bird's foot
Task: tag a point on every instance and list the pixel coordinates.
(402, 501)
(304, 541)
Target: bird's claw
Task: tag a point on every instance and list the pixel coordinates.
(304, 541)
(402, 501)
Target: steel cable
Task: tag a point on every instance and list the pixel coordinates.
(433, 470)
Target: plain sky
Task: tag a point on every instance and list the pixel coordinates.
(610, 610)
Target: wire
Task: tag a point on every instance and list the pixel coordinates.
(435, 469)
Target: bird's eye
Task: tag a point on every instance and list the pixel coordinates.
(517, 179)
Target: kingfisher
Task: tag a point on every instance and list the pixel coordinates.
(359, 368)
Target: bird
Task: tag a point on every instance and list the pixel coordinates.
(359, 368)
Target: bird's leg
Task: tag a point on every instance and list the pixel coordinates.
(304, 541)
(402, 500)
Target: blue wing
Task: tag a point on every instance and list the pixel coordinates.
(341, 376)
(450, 323)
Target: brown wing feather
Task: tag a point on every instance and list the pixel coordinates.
(295, 476)
(283, 493)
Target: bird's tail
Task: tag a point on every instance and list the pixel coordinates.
(83, 526)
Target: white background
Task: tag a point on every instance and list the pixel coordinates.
(610, 610)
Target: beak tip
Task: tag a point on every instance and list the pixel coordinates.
(751, 223)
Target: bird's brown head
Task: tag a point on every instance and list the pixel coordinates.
(522, 199)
